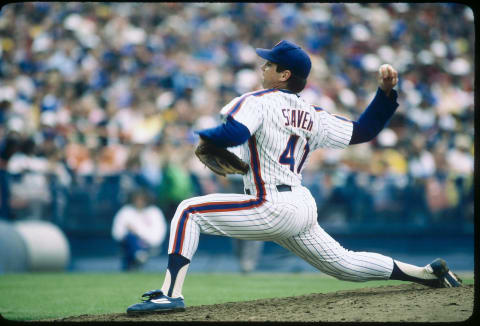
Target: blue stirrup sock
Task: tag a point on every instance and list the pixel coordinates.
(175, 275)
(411, 273)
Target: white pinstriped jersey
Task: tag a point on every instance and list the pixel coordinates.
(286, 129)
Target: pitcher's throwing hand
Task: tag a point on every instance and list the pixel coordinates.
(387, 78)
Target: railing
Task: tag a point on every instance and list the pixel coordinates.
(87, 206)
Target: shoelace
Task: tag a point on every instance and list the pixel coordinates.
(147, 296)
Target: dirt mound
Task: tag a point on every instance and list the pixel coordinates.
(402, 303)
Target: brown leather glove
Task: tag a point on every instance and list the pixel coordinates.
(220, 160)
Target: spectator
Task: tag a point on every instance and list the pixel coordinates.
(8, 146)
(29, 187)
(140, 228)
(177, 181)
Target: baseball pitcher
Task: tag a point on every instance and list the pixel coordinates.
(276, 131)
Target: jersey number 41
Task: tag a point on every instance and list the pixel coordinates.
(288, 157)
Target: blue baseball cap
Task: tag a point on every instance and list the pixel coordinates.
(290, 56)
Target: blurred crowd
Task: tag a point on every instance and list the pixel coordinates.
(99, 99)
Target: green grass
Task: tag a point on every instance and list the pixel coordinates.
(42, 296)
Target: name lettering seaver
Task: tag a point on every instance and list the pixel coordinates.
(298, 118)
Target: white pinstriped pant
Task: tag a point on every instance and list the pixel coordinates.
(287, 218)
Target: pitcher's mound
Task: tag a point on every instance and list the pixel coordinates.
(401, 303)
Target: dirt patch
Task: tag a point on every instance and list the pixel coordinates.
(401, 303)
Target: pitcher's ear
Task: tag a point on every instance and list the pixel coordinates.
(285, 75)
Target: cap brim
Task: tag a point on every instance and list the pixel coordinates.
(266, 54)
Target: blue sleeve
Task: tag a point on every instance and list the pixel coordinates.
(228, 134)
(374, 118)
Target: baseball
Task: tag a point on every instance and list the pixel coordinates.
(386, 70)
(388, 76)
